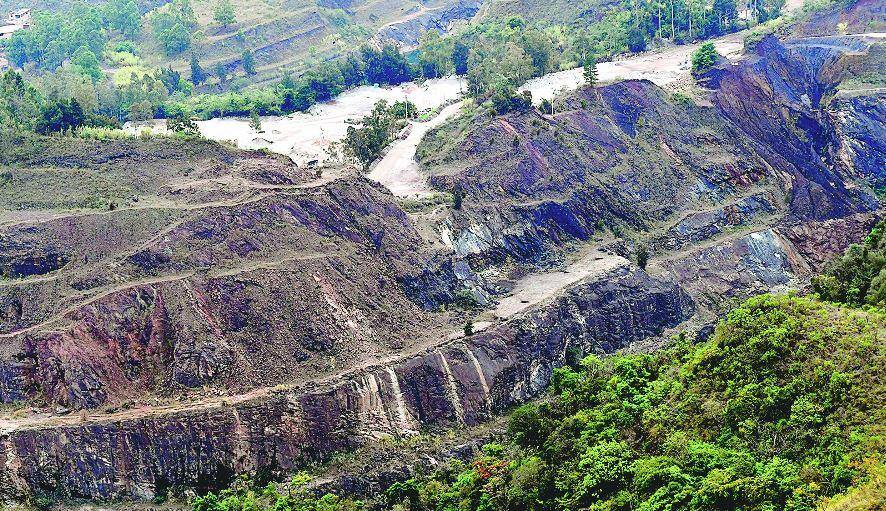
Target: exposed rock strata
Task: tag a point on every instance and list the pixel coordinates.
(319, 276)
(407, 33)
(771, 150)
(462, 381)
(327, 289)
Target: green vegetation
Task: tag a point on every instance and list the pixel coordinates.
(859, 277)
(505, 99)
(781, 408)
(198, 74)
(496, 55)
(385, 66)
(173, 25)
(248, 62)
(56, 37)
(366, 142)
(19, 102)
(590, 71)
(704, 58)
(223, 14)
(255, 122)
(294, 497)
(642, 255)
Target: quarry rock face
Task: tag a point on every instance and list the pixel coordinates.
(775, 147)
(138, 453)
(409, 31)
(242, 315)
(787, 84)
(315, 276)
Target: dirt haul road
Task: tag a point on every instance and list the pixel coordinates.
(397, 169)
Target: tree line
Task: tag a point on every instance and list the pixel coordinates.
(495, 56)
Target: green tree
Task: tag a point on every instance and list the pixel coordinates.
(387, 66)
(123, 16)
(223, 13)
(590, 71)
(183, 124)
(60, 116)
(435, 55)
(198, 75)
(636, 40)
(86, 63)
(255, 121)
(141, 111)
(704, 58)
(460, 52)
(248, 62)
(725, 13)
(642, 255)
(539, 48)
(19, 102)
(546, 107)
(176, 39)
(375, 132)
(859, 276)
(173, 25)
(221, 72)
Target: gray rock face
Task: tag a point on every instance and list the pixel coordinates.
(632, 155)
(786, 84)
(753, 263)
(305, 314)
(861, 123)
(408, 33)
(135, 454)
(696, 227)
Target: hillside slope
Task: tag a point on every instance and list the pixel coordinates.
(175, 312)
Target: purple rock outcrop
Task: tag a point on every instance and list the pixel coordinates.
(139, 453)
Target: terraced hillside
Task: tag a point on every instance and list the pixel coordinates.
(175, 312)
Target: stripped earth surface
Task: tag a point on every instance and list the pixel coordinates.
(173, 314)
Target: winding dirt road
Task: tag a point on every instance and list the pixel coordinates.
(398, 170)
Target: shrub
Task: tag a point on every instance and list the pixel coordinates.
(704, 58)
(642, 255)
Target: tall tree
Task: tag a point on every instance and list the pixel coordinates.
(249, 62)
(590, 71)
(173, 25)
(124, 16)
(221, 71)
(86, 63)
(725, 12)
(387, 66)
(539, 47)
(19, 102)
(255, 121)
(460, 58)
(198, 75)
